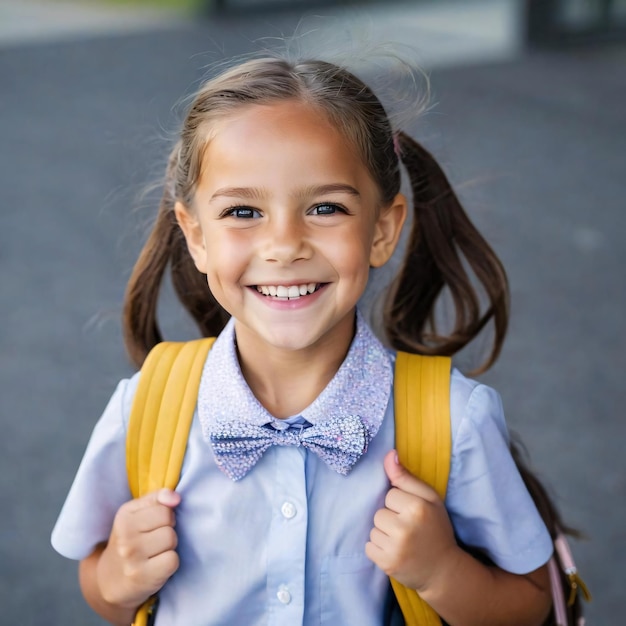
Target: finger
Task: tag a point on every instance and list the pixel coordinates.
(400, 501)
(386, 521)
(163, 565)
(379, 538)
(401, 478)
(166, 497)
(146, 520)
(159, 541)
(374, 553)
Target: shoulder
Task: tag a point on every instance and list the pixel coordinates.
(474, 406)
(100, 486)
(119, 406)
(487, 500)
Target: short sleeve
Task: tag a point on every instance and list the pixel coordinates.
(100, 486)
(487, 500)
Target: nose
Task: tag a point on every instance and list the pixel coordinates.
(286, 241)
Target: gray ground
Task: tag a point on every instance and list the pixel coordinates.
(536, 147)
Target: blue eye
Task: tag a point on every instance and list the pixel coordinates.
(242, 212)
(327, 209)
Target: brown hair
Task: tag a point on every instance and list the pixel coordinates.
(442, 244)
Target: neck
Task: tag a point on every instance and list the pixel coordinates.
(287, 381)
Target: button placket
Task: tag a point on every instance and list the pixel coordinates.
(287, 538)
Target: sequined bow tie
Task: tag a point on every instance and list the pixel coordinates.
(339, 441)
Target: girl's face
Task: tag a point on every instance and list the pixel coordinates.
(286, 223)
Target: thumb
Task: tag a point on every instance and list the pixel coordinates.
(396, 473)
(401, 478)
(164, 497)
(168, 498)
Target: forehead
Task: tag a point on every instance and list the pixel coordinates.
(288, 115)
(294, 138)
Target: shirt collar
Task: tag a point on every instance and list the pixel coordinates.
(361, 386)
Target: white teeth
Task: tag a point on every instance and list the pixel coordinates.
(281, 291)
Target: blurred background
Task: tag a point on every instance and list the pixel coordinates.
(527, 117)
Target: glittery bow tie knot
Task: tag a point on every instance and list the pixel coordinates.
(339, 441)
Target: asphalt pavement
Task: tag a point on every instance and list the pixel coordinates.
(532, 139)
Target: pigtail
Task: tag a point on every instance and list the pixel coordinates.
(443, 242)
(165, 246)
(140, 327)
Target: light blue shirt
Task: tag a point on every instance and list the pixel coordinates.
(285, 545)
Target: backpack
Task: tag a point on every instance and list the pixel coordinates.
(156, 445)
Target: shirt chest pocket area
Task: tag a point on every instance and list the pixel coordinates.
(353, 591)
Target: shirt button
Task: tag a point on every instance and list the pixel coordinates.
(288, 510)
(283, 595)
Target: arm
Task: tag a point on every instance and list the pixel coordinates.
(120, 575)
(486, 594)
(88, 579)
(413, 541)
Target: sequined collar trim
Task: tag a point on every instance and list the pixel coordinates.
(361, 386)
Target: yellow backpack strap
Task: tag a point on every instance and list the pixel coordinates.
(160, 420)
(424, 445)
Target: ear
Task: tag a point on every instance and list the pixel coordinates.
(387, 231)
(192, 230)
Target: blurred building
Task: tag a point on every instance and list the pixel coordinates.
(546, 22)
(554, 22)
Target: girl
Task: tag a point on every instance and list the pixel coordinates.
(281, 194)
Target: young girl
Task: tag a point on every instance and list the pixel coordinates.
(281, 194)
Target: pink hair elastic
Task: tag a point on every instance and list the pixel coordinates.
(396, 145)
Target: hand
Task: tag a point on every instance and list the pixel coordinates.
(140, 555)
(412, 539)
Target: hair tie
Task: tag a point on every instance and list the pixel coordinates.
(396, 145)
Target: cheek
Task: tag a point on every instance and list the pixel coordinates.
(227, 254)
(352, 261)
(356, 249)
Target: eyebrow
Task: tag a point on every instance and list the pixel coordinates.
(253, 193)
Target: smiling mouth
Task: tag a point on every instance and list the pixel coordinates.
(292, 292)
